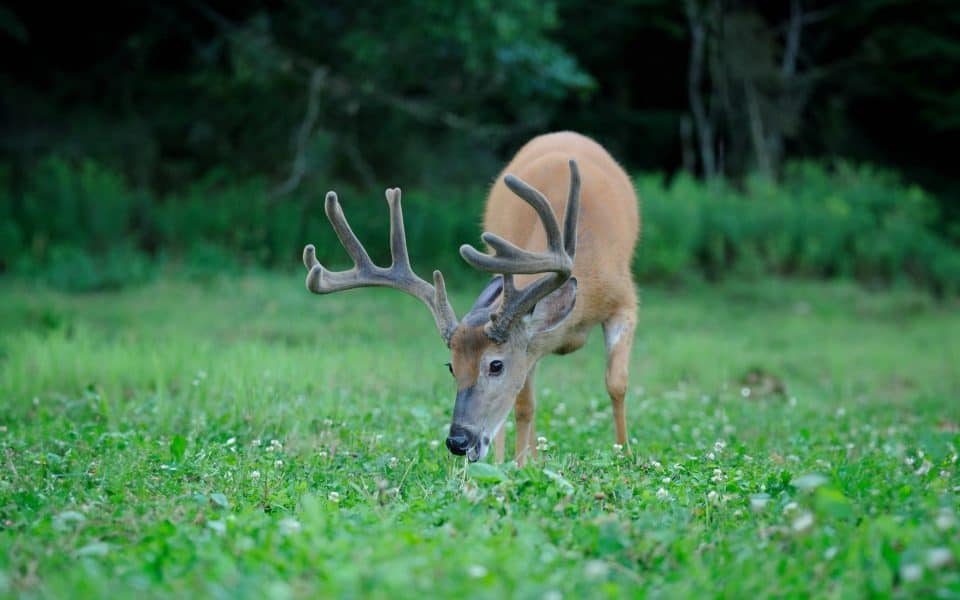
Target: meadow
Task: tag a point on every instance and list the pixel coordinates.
(237, 437)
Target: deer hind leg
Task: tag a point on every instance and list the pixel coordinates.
(523, 412)
(618, 335)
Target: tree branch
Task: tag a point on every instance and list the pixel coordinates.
(299, 167)
(694, 82)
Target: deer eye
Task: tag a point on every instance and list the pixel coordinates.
(496, 367)
(450, 367)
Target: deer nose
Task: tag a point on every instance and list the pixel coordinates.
(460, 440)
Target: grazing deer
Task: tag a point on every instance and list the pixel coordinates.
(550, 286)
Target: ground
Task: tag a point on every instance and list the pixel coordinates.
(242, 438)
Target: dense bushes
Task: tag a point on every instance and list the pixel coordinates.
(81, 227)
(846, 221)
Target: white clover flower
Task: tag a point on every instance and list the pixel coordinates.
(477, 571)
(790, 507)
(662, 494)
(939, 557)
(711, 456)
(803, 522)
(745, 392)
(830, 553)
(945, 520)
(289, 525)
(665, 480)
(655, 464)
(328, 422)
(713, 497)
(255, 443)
(392, 462)
(542, 444)
(841, 411)
(231, 441)
(278, 463)
(560, 409)
(434, 444)
(333, 497)
(617, 448)
(254, 474)
(595, 569)
(924, 468)
(322, 454)
(718, 446)
(911, 572)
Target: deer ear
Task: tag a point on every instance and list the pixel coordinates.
(485, 303)
(553, 309)
(489, 294)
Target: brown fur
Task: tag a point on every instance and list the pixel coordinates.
(466, 347)
(495, 376)
(608, 229)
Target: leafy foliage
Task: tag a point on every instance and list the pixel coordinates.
(82, 227)
(847, 221)
(428, 91)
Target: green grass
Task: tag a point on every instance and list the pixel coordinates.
(136, 453)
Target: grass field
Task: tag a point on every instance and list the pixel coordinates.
(243, 439)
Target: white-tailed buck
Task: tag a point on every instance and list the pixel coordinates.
(551, 285)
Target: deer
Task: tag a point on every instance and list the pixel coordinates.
(551, 285)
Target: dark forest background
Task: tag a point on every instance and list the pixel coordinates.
(777, 137)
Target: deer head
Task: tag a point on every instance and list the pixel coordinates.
(495, 346)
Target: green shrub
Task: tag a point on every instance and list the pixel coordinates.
(842, 221)
(74, 269)
(80, 226)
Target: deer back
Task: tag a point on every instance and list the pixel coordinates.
(609, 217)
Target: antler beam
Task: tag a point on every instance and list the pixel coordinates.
(510, 260)
(366, 274)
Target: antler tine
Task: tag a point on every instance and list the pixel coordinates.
(510, 260)
(571, 216)
(351, 244)
(398, 236)
(365, 273)
(436, 296)
(535, 199)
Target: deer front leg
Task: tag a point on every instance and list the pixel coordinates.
(498, 444)
(618, 335)
(523, 412)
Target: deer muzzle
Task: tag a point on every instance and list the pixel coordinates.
(461, 440)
